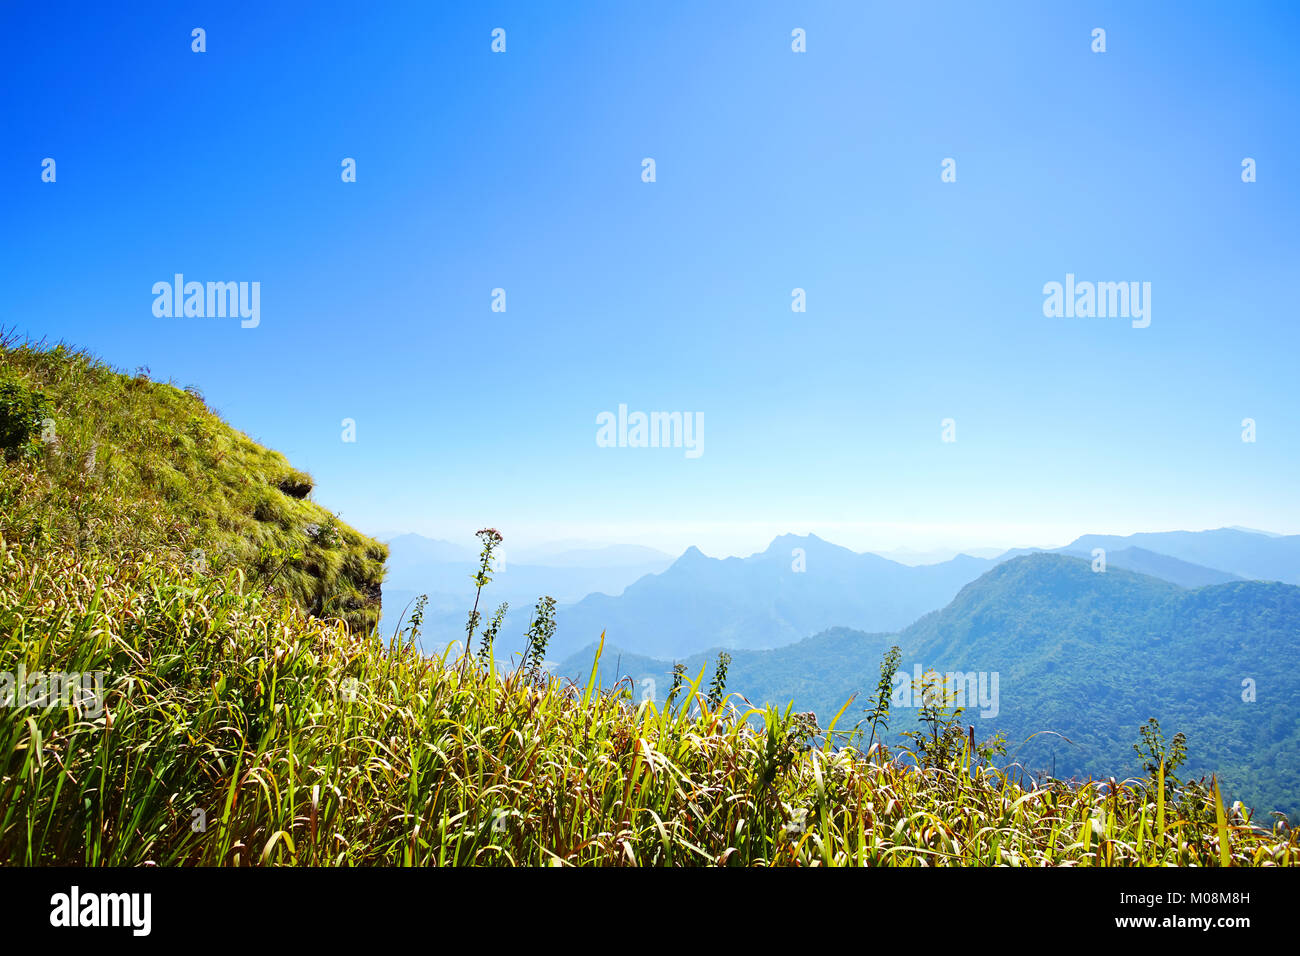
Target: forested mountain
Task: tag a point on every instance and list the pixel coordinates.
(1089, 656)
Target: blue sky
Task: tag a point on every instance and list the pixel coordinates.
(774, 170)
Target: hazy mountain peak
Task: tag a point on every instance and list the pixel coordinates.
(783, 544)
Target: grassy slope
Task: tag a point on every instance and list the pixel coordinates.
(237, 730)
(135, 464)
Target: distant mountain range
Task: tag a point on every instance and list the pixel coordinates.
(1087, 655)
(799, 586)
(766, 601)
(1248, 554)
(1183, 573)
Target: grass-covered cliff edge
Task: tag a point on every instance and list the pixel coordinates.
(246, 712)
(113, 464)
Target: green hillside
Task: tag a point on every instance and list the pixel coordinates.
(1091, 656)
(114, 464)
(1088, 657)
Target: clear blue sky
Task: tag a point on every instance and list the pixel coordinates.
(775, 170)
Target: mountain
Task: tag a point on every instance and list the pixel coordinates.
(762, 601)
(1089, 656)
(672, 609)
(1157, 559)
(1259, 556)
(1183, 573)
(912, 557)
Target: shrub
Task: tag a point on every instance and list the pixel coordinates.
(22, 414)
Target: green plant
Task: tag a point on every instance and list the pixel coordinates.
(491, 631)
(23, 412)
(679, 671)
(878, 705)
(941, 743)
(718, 685)
(272, 560)
(327, 534)
(489, 539)
(416, 618)
(539, 634)
(1160, 760)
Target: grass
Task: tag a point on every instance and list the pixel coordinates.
(109, 463)
(238, 730)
